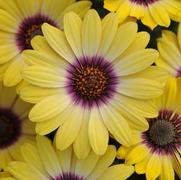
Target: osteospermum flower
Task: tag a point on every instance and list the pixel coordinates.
(44, 162)
(90, 81)
(15, 127)
(20, 22)
(157, 151)
(169, 46)
(150, 12)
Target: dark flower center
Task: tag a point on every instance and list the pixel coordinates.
(68, 176)
(10, 128)
(30, 27)
(162, 133)
(91, 81)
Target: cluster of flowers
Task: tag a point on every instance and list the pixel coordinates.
(70, 81)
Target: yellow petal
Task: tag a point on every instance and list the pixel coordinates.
(91, 36)
(8, 22)
(48, 156)
(137, 154)
(68, 132)
(179, 34)
(72, 28)
(30, 7)
(167, 172)
(116, 124)
(148, 20)
(140, 88)
(124, 11)
(112, 5)
(117, 172)
(82, 145)
(31, 156)
(124, 37)
(98, 134)
(57, 40)
(135, 62)
(84, 167)
(159, 14)
(45, 76)
(48, 108)
(109, 29)
(139, 43)
(21, 170)
(153, 168)
(34, 94)
(104, 162)
(13, 76)
(65, 158)
(79, 8)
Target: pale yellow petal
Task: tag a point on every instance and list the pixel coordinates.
(85, 166)
(57, 40)
(72, 29)
(140, 88)
(125, 35)
(82, 145)
(49, 108)
(135, 62)
(104, 162)
(68, 132)
(48, 156)
(98, 133)
(91, 37)
(116, 172)
(109, 29)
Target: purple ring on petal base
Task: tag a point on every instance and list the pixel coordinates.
(144, 2)
(91, 81)
(30, 27)
(10, 128)
(68, 176)
(164, 134)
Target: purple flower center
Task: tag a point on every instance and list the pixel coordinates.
(68, 176)
(30, 27)
(91, 81)
(143, 2)
(164, 134)
(10, 128)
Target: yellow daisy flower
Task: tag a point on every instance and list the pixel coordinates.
(15, 127)
(169, 46)
(157, 151)
(150, 12)
(43, 162)
(90, 81)
(20, 22)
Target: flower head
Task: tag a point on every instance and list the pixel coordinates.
(89, 81)
(20, 22)
(150, 12)
(15, 127)
(63, 165)
(157, 151)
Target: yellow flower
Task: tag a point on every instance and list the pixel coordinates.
(150, 12)
(20, 22)
(15, 127)
(42, 161)
(169, 46)
(90, 79)
(157, 151)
